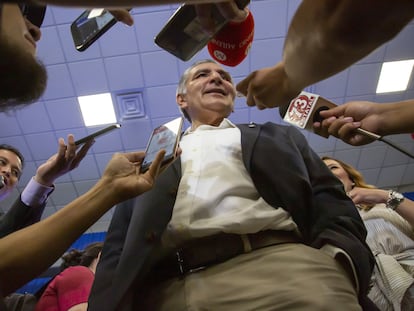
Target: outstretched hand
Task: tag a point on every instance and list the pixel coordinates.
(123, 174)
(65, 160)
(268, 88)
(228, 9)
(343, 120)
(123, 16)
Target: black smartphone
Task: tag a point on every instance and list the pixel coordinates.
(89, 26)
(97, 133)
(165, 137)
(183, 35)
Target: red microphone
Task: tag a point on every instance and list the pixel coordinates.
(232, 44)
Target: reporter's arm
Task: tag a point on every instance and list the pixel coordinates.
(378, 196)
(44, 242)
(326, 36)
(382, 119)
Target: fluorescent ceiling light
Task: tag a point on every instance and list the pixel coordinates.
(97, 109)
(395, 76)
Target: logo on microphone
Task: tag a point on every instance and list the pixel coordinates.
(300, 109)
(219, 55)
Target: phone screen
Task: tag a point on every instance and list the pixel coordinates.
(164, 137)
(89, 26)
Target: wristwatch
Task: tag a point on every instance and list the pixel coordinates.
(394, 199)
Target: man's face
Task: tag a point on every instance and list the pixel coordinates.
(10, 169)
(209, 90)
(23, 78)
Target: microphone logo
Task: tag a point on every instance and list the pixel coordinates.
(219, 55)
(300, 109)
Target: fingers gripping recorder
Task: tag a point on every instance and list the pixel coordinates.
(304, 110)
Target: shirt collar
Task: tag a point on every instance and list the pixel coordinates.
(226, 123)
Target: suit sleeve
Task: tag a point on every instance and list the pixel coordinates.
(19, 216)
(302, 184)
(333, 218)
(111, 253)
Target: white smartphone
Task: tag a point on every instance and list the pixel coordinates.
(165, 136)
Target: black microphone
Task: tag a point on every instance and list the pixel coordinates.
(2, 183)
(305, 109)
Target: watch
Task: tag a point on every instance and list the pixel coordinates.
(394, 199)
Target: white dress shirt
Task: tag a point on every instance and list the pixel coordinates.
(216, 193)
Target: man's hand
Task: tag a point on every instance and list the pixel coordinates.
(123, 16)
(228, 9)
(343, 120)
(268, 88)
(122, 174)
(65, 160)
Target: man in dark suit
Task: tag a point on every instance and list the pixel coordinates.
(249, 218)
(28, 208)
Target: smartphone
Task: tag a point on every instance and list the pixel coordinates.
(165, 137)
(89, 26)
(183, 35)
(97, 133)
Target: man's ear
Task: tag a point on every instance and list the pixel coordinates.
(181, 101)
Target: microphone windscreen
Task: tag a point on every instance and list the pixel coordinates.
(231, 44)
(2, 184)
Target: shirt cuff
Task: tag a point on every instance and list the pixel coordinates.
(35, 194)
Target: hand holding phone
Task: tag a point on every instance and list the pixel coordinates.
(92, 24)
(165, 137)
(183, 35)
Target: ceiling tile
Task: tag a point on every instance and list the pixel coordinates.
(59, 82)
(265, 53)
(124, 72)
(88, 77)
(60, 109)
(363, 79)
(167, 65)
(274, 12)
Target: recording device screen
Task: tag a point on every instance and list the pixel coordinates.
(89, 26)
(164, 137)
(183, 35)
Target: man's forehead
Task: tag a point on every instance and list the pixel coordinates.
(208, 66)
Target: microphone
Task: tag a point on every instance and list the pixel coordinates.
(2, 183)
(232, 43)
(304, 110)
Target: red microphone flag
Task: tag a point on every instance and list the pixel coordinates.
(232, 44)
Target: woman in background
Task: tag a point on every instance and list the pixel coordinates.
(69, 290)
(390, 237)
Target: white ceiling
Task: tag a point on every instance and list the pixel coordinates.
(125, 61)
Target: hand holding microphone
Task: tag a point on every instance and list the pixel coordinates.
(306, 110)
(232, 43)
